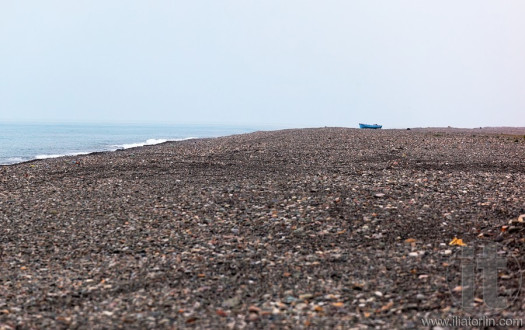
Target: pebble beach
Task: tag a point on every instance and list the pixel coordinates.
(300, 228)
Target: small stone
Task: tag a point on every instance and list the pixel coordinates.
(221, 313)
(232, 302)
(289, 299)
(301, 306)
(254, 309)
(458, 288)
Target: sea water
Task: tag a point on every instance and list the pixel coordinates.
(23, 142)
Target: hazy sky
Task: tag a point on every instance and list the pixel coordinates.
(290, 63)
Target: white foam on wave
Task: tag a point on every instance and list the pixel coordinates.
(47, 156)
(12, 160)
(62, 155)
(148, 142)
(15, 159)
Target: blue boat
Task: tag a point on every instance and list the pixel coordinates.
(374, 126)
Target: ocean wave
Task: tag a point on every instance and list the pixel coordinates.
(148, 142)
(15, 159)
(62, 155)
(12, 160)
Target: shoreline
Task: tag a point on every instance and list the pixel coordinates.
(149, 142)
(28, 142)
(319, 227)
(511, 131)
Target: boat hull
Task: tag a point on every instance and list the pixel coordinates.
(374, 126)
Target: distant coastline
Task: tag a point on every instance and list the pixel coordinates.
(495, 129)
